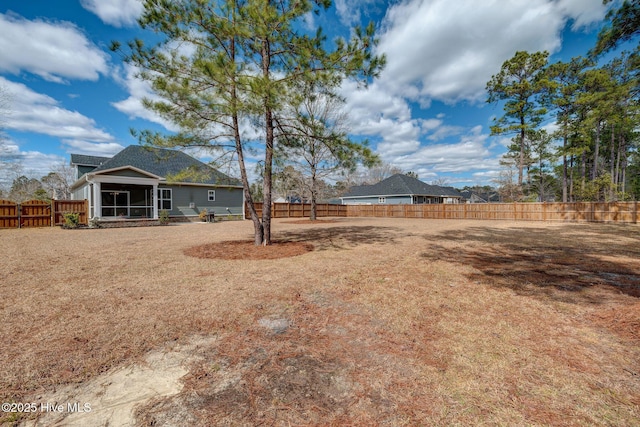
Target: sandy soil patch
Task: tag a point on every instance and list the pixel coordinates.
(111, 399)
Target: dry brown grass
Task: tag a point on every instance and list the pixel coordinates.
(387, 322)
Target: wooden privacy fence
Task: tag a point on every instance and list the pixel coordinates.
(300, 210)
(40, 213)
(623, 212)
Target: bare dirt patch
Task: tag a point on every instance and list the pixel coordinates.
(248, 250)
(385, 322)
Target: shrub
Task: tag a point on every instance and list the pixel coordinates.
(71, 219)
(164, 217)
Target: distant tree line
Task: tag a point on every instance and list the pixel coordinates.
(55, 185)
(573, 125)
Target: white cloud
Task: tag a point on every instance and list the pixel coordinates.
(448, 50)
(138, 90)
(468, 154)
(438, 50)
(55, 51)
(141, 89)
(119, 13)
(584, 13)
(29, 163)
(30, 111)
(92, 148)
(350, 11)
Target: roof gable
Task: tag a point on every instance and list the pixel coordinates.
(400, 184)
(129, 171)
(166, 163)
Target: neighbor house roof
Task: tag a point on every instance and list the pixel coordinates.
(400, 184)
(169, 164)
(492, 197)
(84, 160)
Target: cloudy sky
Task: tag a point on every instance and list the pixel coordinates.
(65, 92)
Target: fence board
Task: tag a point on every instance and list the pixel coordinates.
(8, 214)
(35, 213)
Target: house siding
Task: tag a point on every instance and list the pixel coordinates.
(183, 195)
(84, 170)
(79, 193)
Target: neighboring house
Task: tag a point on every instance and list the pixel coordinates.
(400, 189)
(139, 182)
(473, 197)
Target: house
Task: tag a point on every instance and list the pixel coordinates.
(475, 197)
(400, 189)
(139, 182)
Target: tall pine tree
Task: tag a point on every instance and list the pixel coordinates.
(519, 84)
(223, 68)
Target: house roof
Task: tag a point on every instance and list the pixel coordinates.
(166, 163)
(84, 160)
(400, 184)
(489, 197)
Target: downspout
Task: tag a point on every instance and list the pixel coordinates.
(91, 196)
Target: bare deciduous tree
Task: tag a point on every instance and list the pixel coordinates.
(10, 159)
(314, 130)
(58, 182)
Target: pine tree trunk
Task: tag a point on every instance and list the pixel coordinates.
(269, 141)
(258, 231)
(596, 154)
(623, 166)
(612, 164)
(583, 171)
(314, 207)
(541, 187)
(571, 165)
(564, 168)
(521, 159)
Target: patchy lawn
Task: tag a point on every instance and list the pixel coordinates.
(354, 322)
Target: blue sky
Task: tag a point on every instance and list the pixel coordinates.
(67, 93)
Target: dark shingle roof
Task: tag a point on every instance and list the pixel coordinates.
(400, 184)
(166, 163)
(489, 197)
(81, 159)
